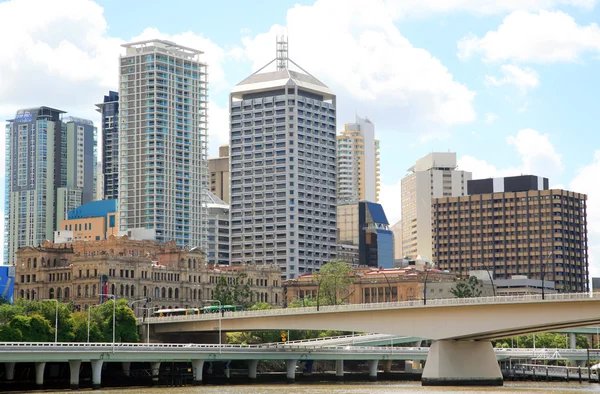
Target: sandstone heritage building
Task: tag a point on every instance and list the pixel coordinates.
(172, 276)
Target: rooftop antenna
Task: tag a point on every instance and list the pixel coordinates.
(282, 53)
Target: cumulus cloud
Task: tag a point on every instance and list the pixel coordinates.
(541, 37)
(361, 55)
(523, 78)
(491, 117)
(389, 198)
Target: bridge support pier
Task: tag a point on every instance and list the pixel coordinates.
(461, 363)
(74, 367)
(387, 366)
(198, 366)
(10, 370)
(126, 368)
(252, 364)
(96, 374)
(339, 369)
(39, 374)
(290, 366)
(155, 367)
(373, 364)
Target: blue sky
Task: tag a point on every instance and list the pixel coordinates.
(511, 86)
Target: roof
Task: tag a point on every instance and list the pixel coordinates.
(377, 213)
(213, 201)
(280, 78)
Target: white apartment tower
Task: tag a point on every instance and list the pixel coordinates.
(163, 170)
(283, 170)
(358, 163)
(435, 175)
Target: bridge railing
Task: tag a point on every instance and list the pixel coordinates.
(431, 303)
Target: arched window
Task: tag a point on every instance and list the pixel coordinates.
(35, 262)
(33, 295)
(126, 290)
(189, 263)
(176, 294)
(54, 263)
(163, 293)
(51, 293)
(112, 289)
(132, 291)
(67, 293)
(195, 294)
(59, 294)
(170, 293)
(121, 293)
(29, 262)
(87, 291)
(22, 293)
(266, 297)
(78, 290)
(276, 299)
(156, 292)
(145, 291)
(27, 294)
(94, 292)
(43, 262)
(194, 264)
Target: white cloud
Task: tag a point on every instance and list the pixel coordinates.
(523, 78)
(218, 122)
(408, 8)
(491, 117)
(361, 55)
(543, 37)
(536, 156)
(584, 182)
(389, 198)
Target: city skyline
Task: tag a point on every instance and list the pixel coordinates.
(526, 109)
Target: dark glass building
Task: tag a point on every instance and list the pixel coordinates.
(109, 109)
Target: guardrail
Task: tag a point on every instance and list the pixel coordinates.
(431, 303)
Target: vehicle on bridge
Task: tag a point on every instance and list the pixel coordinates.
(196, 311)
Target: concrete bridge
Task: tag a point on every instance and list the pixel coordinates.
(126, 353)
(461, 327)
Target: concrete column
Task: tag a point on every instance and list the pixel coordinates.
(252, 364)
(226, 369)
(373, 364)
(387, 366)
(339, 369)
(39, 374)
(198, 366)
(290, 366)
(461, 363)
(74, 366)
(96, 374)
(10, 370)
(155, 367)
(572, 340)
(126, 368)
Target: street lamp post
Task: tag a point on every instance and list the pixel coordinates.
(88, 330)
(425, 283)
(220, 308)
(145, 299)
(491, 278)
(55, 319)
(114, 316)
(148, 320)
(543, 268)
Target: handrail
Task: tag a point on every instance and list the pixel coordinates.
(431, 303)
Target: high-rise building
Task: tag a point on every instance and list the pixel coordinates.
(163, 170)
(514, 226)
(435, 175)
(218, 231)
(358, 162)
(50, 170)
(218, 168)
(283, 170)
(109, 110)
(397, 231)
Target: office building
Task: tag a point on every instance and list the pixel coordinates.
(435, 175)
(218, 231)
(283, 170)
(516, 226)
(109, 112)
(163, 170)
(94, 221)
(358, 162)
(50, 170)
(595, 284)
(397, 231)
(364, 224)
(173, 276)
(218, 168)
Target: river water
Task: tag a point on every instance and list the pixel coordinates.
(370, 388)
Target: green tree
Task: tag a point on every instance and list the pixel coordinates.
(233, 290)
(467, 288)
(10, 334)
(333, 282)
(260, 306)
(125, 324)
(302, 303)
(80, 328)
(34, 328)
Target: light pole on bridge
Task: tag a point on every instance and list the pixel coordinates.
(55, 319)
(425, 282)
(114, 316)
(220, 312)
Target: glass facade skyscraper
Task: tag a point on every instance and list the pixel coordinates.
(109, 111)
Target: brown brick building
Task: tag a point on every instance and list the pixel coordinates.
(172, 276)
(514, 232)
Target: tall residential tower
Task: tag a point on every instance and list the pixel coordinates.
(283, 170)
(358, 163)
(435, 175)
(49, 171)
(163, 169)
(109, 110)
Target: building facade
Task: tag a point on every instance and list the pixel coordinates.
(163, 168)
(218, 231)
(535, 232)
(50, 170)
(358, 162)
(172, 276)
(218, 168)
(283, 171)
(397, 231)
(435, 175)
(109, 112)
(94, 221)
